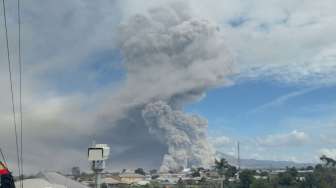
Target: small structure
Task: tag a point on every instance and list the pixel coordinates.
(111, 182)
(50, 180)
(131, 177)
(97, 155)
(58, 179)
(38, 183)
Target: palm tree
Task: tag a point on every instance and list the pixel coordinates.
(328, 161)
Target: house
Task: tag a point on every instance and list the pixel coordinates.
(38, 183)
(111, 182)
(131, 177)
(50, 180)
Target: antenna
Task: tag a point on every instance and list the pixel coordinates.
(238, 155)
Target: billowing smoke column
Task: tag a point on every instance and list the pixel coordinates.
(171, 60)
(184, 134)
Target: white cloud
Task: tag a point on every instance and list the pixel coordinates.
(282, 100)
(293, 138)
(291, 42)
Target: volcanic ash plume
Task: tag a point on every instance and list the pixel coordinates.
(184, 134)
(172, 59)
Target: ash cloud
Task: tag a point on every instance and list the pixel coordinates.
(171, 60)
(184, 134)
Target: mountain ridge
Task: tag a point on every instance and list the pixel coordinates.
(261, 164)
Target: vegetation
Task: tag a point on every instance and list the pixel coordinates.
(328, 161)
(140, 171)
(246, 178)
(224, 169)
(319, 176)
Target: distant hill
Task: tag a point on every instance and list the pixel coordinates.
(261, 164)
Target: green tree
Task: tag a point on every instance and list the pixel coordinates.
(328, 161)
(263, 173)
(195, 172)
(246, 178)
(310, 168)
(286, 179)
(309, 181)
(140, 171)
(292, 171)
(221, 166)
(318, 167)
(260, 183)
(231, 171)
(325, 177)
(153, 171)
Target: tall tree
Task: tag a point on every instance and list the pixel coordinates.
(140, 171)
(246, 178)
(221, 166)
(328, 161)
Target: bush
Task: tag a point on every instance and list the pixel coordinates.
(246, 178)
(260, 184)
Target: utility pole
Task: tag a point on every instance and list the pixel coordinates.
(238, 155)
(238, 160)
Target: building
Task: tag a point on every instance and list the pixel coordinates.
(131, 177)
(111, 182)
(50, 180)
(38, 183)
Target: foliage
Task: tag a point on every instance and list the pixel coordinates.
(260, 183)
(310, 168)
(246, 178)
(195, 172)
(263, 173)
(292, 171)
(322, 177)
(221, 166)
(155, 176)
(328, 161)
(140, 171)
(230, 171)
(286, 179)
(153, 171)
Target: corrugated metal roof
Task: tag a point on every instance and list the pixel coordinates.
(130, 174)
(38, 183)
(111, 181)
(56, 178)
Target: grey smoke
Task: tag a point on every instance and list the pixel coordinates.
(184, 134)
(171, 60)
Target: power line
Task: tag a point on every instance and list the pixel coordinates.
(20, 87)
(11, 85)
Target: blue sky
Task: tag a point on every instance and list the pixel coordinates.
(257, 109)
